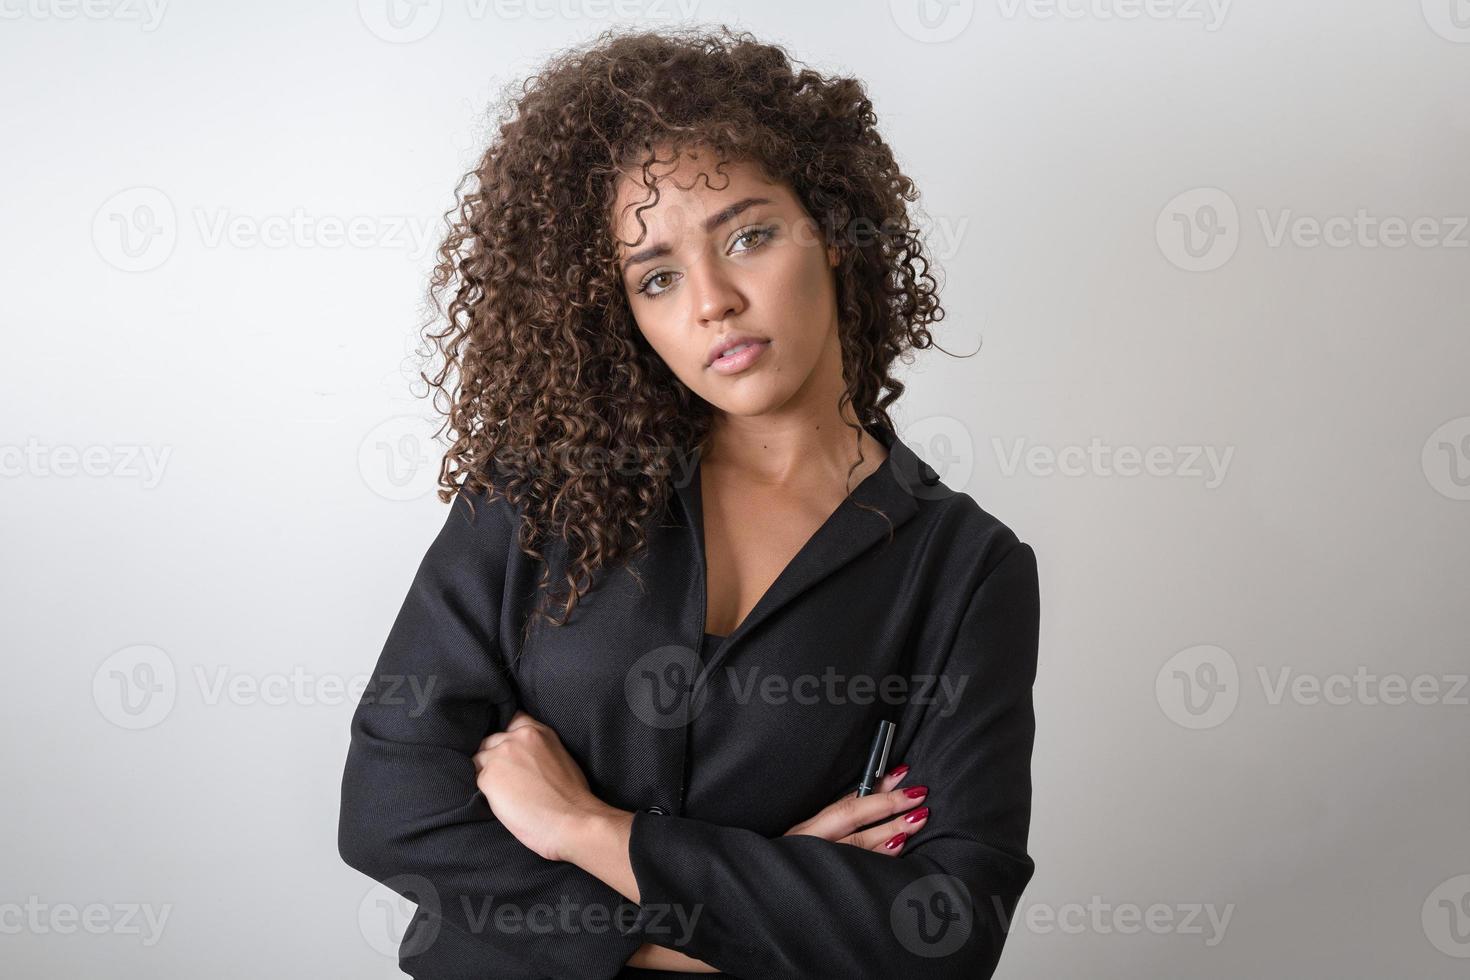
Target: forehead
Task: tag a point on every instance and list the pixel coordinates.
(690, 189)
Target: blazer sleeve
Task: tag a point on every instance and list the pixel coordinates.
(412, 816)
(800, 906)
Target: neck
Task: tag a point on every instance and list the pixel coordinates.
(806, 443)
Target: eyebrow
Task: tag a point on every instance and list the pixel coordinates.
(710, 224)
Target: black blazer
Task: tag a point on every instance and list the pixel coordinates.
(935, 630)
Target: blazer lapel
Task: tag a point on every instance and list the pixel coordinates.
(847, 533)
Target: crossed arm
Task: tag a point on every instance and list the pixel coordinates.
(415, 808)
(538, 792)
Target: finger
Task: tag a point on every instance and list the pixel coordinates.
(520, 720)
(880, 837)
(847, 816)
(893, 778)
(482, 758)
(493, 739)
(887, 784)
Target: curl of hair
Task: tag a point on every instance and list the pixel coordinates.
(550, 394)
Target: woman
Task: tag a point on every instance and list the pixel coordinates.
(678, 290)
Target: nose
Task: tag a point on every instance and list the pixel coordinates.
(716, 295)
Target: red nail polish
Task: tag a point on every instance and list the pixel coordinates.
(917, 815)
(899, 771)
(916, 792)
(895, 842)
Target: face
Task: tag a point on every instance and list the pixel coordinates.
(730, 256)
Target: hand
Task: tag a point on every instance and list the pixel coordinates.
(653, 957)
(534, 787)
(842, 821)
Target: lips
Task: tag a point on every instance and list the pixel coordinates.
(730, 342)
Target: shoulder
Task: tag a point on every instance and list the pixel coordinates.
(968, 541)
(478, 521)
(981, 588)
(960, 537)
(963, 520)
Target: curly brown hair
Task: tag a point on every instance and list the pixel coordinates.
(546, 377)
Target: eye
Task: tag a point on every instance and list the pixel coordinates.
(648, 280)
(759, 236)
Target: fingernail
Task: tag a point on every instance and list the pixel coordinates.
(899, 771)
(917, 815)
(895, 842)
(916, 792)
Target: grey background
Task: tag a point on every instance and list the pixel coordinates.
(1063, 152)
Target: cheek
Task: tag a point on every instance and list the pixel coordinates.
(669, 341)
(807, 298)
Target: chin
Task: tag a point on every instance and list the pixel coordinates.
(749, 403)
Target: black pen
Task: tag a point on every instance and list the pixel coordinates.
(877, 758)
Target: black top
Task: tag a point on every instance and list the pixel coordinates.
(716, 752)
